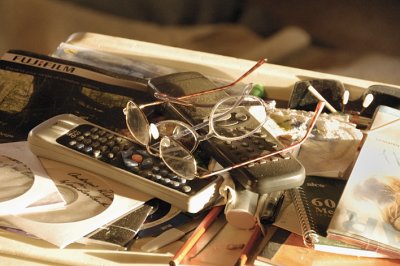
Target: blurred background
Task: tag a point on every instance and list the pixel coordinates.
(355, 38)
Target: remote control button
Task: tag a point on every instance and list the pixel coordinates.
(262, 161)
(103, 148)
(111, 143)
(156, 169)
(97, 153)
(144, 153)
(274, 159)
(157, 178)
(262, 147)
(80, 146)
(147, 163)
(115, 149)
(102, 140)
(137, 158)
(243, 158)
(87, 141)
(186, 189)
(241, 117)
(148, 174)
(250, 149)
(96, 144)
(130, 163)
(175, 184)
(88, 149)
(164, 172)
(251, 164)
(173, 176)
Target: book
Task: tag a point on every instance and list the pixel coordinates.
(35, 87)
(315, 202)
(368, 211)
(282, 247)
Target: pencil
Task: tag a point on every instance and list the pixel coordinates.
(198, 232)
(244, 256)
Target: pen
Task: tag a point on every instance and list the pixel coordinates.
(244, 256)
(198, 232)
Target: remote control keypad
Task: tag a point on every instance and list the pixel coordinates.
(123, 153)
(250, 147)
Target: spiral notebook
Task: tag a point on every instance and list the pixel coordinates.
(315, 202)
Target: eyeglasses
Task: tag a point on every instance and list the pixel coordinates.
(307, 93)
(179, 140)
(174, 141)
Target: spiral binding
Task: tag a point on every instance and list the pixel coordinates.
(310, 236)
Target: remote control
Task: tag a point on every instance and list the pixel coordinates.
(273, 174)
(75, 141)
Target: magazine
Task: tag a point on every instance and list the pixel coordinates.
(35, 87)
(368, 211)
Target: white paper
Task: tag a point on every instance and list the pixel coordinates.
(92, 201)
(24, 182)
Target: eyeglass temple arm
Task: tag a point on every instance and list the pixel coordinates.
(318, 110)
(248, 72)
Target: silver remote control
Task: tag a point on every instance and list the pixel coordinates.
(75, 141)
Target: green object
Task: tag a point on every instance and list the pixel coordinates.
(258, 90)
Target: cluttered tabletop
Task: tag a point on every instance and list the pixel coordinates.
(108, 159)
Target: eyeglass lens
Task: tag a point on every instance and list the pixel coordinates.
(137, 123)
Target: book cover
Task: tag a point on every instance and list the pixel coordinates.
(35, 87)
(368, 213)
(282, 247)
(313, 218)
(315, 202)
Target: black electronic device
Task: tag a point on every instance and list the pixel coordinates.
(75, 141)
(273, 174)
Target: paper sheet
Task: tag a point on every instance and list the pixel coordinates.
(92, 201)
(24, 182)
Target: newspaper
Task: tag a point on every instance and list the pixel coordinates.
(35, 87)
